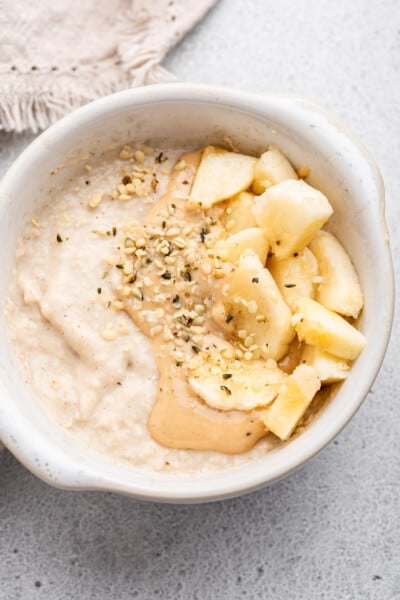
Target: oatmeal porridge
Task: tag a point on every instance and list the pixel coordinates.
(180, 311)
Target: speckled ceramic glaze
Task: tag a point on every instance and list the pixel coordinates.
(192, 116)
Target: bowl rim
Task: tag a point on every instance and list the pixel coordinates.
(68, 475)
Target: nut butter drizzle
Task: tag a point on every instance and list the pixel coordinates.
(169, 286)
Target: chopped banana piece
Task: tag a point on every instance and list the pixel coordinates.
(271, 168)
(237, 385)
(251, 302)
(319, 326)
(221, 175)
(238, 213)
(235, 245)
(339, 289)
(329, 368)
(295, 276)
(291, 213)
(293, 400)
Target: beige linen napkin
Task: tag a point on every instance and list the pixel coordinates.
(58, 54)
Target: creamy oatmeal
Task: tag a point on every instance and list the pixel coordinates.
(145, 320)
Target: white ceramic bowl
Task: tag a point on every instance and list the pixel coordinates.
(193, 115)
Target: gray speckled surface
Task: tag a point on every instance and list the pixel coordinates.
(330, 531)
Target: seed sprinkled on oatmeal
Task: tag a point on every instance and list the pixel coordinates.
(180, 165)
(109, 335)
(95, 199)
(140, 156)
(125, 153)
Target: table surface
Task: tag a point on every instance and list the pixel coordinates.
(331, 530)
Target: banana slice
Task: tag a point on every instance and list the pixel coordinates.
(330, 369)
(233, 247)
(252, 308)
(291, 213)
(339, 289)
(237, 385)
(293, 399)
(271, 168)
(221, 174)
(319, 326)
(238, 213)
(295, 276)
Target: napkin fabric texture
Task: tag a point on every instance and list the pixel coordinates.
(56, 55)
